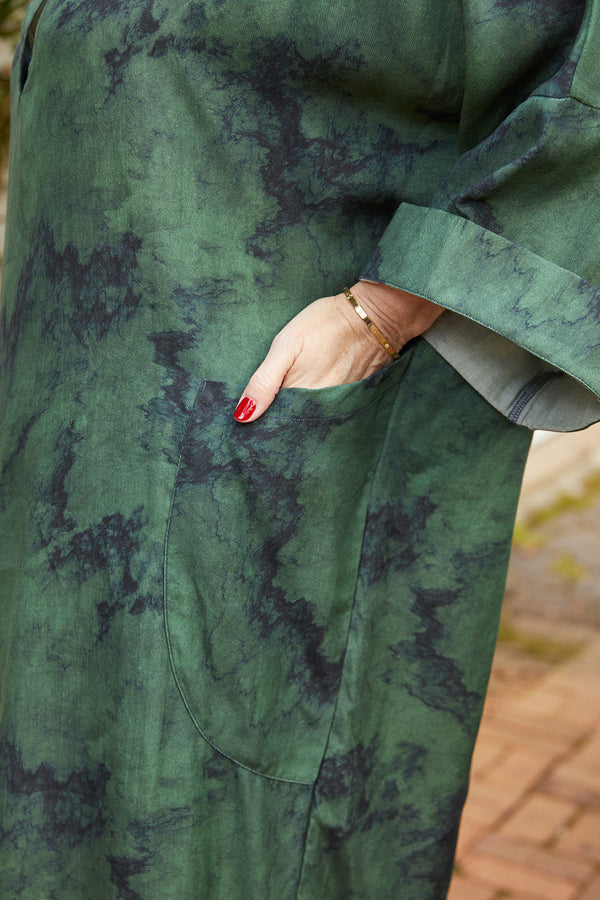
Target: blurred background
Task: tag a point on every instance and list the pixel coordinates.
(11, 12)
(531, 828)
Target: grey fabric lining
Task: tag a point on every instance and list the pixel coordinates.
(529, 392)
(524, 388)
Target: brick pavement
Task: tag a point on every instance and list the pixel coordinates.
(531, 826)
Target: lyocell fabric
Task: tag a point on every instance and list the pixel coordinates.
(250, 661)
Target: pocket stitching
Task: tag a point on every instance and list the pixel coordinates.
(378, 391)
(202, 401)
(351, 618)
(166, 618)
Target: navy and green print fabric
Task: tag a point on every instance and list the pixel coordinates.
(245, 661)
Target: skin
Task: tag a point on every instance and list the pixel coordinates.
(327, 343)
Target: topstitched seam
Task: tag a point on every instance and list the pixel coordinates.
(528, 393)
(166, 619)
(350, 623)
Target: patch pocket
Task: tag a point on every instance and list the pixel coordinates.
(261, 561)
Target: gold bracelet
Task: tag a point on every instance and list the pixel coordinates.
(371, 325)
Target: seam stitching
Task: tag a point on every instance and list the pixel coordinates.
(182, 694)
(529, 392)
(384, 443)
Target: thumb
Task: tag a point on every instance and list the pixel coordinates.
(262, 388)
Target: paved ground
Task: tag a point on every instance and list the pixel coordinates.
(531, 827)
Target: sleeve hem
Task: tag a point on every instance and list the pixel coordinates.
(549, 313)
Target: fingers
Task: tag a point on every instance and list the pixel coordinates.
(262, 388)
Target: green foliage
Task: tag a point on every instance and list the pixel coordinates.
(539, 647)
(567, 566)
(565, 503)
(11, 13)
(528, 538)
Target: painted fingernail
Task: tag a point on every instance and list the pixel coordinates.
(244, 409)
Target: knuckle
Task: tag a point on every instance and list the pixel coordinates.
(263, 381)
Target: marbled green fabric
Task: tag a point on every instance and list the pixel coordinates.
(243, 661)
(509, 238)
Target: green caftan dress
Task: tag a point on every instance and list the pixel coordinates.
(250, 661)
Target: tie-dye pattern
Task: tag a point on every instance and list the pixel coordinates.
(236, 661)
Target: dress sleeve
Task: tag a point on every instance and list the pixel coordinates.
(510, 244)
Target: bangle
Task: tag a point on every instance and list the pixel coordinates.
(371, 325)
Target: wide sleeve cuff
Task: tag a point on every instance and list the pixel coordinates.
(527, 334)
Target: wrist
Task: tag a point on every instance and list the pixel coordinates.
(372, 327)
(399, 315)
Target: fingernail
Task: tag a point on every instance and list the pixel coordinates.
(244, 409)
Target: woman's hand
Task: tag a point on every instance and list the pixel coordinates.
(327, 343)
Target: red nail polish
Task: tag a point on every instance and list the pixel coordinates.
(244, 409)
